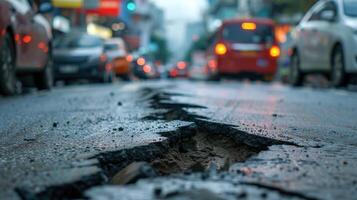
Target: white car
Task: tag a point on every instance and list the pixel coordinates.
(325, 41)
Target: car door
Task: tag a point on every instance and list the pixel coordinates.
(31, 36)
(324, 35)
(22, 12)
(39, 47)
(307, 39)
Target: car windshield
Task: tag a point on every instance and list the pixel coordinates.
(111, 47)
(260, 34)
(78, 41)
(350, 7)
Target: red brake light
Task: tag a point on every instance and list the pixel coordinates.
(147, 68)
(220, 49)
(41, 45)
(173, 73)
(129, 58)
(274, 51)
(17, 37)
(27, 39)
(181, 65)
(212, 64)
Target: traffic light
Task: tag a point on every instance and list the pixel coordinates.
(131, 6)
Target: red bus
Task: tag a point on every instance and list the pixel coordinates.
(246, 46)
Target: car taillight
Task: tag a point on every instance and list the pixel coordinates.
(43, 47)
(173, 73)
(274, 51)
(141, 61)
(129, 58)
(220, 49)
(147, 69)
(17, 38)
(27, 39)
(212, 64)
(181, 65)
(103, 58)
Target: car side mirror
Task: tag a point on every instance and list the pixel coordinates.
(328, 15)
(45, 8)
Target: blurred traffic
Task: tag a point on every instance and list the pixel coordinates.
(104, 41)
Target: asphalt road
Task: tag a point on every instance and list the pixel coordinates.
(292, 143)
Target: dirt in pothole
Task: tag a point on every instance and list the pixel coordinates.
(202, 152)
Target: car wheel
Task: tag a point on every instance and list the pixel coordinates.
(215, 78)
(7, 67)
(295, 76)
(125, 77)
(106, 77)
(111, 77)
(338, 75)
(44, 80)
(268, 78)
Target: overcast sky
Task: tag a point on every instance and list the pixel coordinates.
(184, 10)
(177, 14)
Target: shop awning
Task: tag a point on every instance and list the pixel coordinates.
(67, 3)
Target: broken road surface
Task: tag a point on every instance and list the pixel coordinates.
(179, 140)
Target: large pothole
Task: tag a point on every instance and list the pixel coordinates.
(202, 152)
(199, 147)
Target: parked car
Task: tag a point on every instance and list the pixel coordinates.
(78, 55)
(144, 67)
(25, 45)
(119, 57)
(202, 67)
(198, 66)
(245, 47)
(180, 70)
(325, 42)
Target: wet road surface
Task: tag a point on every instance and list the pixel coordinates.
(206, 141)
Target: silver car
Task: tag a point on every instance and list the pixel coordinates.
(325, 41)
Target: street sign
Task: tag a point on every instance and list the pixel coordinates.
(106, 8)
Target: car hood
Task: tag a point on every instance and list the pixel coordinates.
(78, 52)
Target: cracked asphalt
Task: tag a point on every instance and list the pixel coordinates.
(68, 143)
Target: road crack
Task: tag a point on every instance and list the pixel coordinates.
(194, 147)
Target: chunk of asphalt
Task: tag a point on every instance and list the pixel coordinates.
(133, 172)
(55, 124)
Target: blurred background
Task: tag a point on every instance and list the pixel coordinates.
(128, 40)
(169, 31)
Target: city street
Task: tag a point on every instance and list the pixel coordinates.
(199, 140)
(178, 99)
